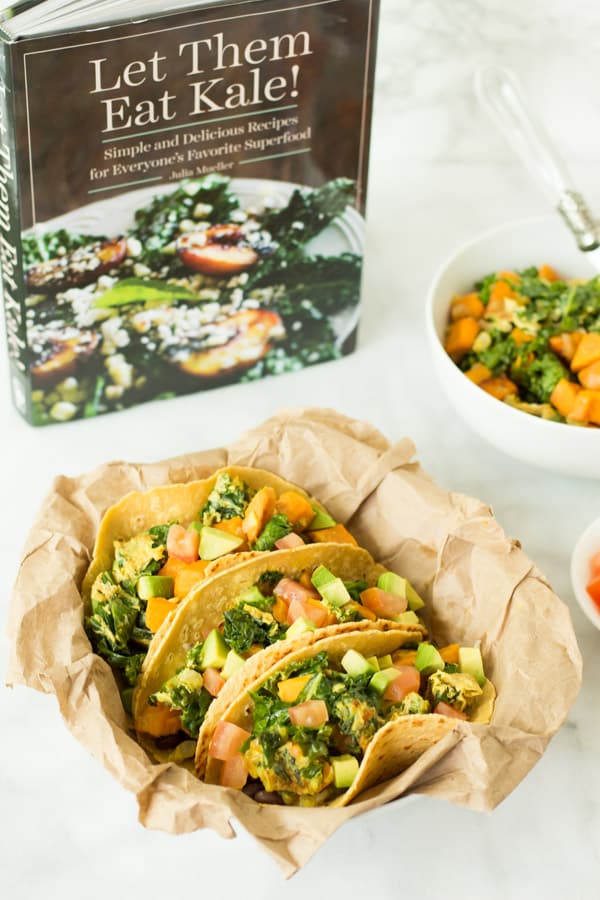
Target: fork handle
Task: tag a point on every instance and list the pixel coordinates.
(500, 94)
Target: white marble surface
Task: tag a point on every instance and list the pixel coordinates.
(439, 175)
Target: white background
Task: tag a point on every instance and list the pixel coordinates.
(439, 175)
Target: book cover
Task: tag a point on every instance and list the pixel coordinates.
(182, 200)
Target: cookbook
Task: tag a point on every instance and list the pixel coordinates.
(182, 194)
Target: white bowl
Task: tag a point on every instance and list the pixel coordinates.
(552, 445)
(586, 547)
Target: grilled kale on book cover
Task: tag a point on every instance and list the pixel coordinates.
(181, 199)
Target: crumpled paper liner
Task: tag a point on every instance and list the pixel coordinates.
(478, 585)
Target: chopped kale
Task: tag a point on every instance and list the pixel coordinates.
(355, 589)
(309, 212)
(157, 224)
(229, 498)
(268, 581)
(243, 629)
(537, 378)
(38, 248)
(277, 527)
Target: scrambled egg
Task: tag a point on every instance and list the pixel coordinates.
(134, 556)
(291, 770)
(455, 688)
(412, 705)
(357, 721)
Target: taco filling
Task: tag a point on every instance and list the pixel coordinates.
(312, 721)
(273, 609)
(152, 571)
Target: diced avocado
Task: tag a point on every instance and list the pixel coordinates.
(471, 663)
(407, 618)
(253, 597)
(196, 526)
(191, 679)
(233, 664)
(373, 662)
(414, 601)
(321, 576)
(355, 664)
(300, 626)
(385, 662)
(155, 586)
(321, 520)
(214, 651)
(428, 659)
(215, 543)
(345, 770)
(382, 679)
(335, 593)
(395, 584)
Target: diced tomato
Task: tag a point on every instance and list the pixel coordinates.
(593, 589)
(234, 773)
(290, 541)
(311, 714)
(595, 565)
(382, 603)
(227, 741)
(310, 609)
(293, 590)
(183, 544)
(213, 682)
(408, 680)
(444, 709)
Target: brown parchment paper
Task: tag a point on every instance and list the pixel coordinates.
(478, 584)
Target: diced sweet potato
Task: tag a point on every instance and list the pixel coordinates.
(566, 344)
(466, 305)
(296, 507)
(548, 273)
(259, 511)
(337, 535)
(157, 610)
(563, 397)
(581, 410)
(235, 525)
(521, 337)
(450, 653)
(460, 337)
(159, 721)
(498, 294)
(508, 275)
(500, 387)
(478, 373)
(587, 352)
(188, 576)
(590, 376)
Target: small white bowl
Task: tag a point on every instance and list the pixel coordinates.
(552, 445)
(586, 547)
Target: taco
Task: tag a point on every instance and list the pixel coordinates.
(153, 547)
(232, 627)
(332, 719)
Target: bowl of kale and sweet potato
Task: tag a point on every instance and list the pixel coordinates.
(514, 327)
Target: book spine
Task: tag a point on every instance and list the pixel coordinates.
(11, 257)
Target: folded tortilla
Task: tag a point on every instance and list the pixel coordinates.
(140, 510)
(393, 748)
(204, 607)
